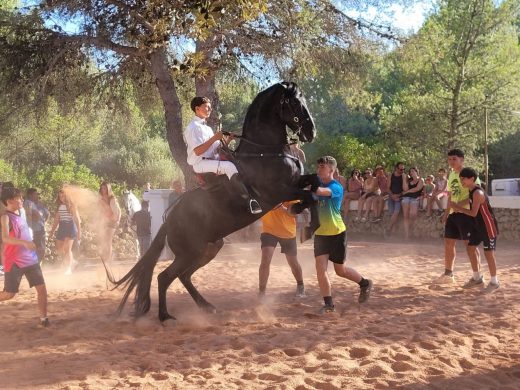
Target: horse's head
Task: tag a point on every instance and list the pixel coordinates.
(130, 202)
(273, 110)
(294, 112)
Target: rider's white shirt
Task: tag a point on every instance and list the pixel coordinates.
(196, 133)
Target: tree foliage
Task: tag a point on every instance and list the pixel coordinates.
(464, 58)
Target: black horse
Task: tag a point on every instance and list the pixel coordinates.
(198, 222)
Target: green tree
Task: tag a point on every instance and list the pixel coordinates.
(465, 57)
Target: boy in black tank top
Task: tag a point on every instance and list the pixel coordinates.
(485, 229)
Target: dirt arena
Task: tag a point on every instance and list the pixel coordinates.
(410, 335)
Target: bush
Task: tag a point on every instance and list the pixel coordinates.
(50, 179)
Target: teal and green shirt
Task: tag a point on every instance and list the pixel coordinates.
(329, 209)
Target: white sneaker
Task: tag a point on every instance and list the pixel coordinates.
(491, 287)
(68, 271)
(474, 283)
(444, 279)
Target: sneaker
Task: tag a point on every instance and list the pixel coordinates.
(327, 309)
(363, 219)
(254, 207)
(1, 269)
(300, 291)
(45, 323)
(474, 283)
(364, 292)
(491, 287)
(444, 279)
(377, 219)
(68, 271)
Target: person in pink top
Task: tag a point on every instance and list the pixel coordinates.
(20, 257)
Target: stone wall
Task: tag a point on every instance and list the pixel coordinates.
(432, 227)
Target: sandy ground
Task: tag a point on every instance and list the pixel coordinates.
(410, 335)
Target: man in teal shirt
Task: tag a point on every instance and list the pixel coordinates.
(330, 240)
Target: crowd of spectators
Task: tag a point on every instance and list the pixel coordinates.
(403, 189)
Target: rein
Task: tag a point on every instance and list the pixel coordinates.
(241, 137)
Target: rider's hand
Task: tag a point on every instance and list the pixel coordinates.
(218, 135)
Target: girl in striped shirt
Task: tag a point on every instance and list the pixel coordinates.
(66, 220)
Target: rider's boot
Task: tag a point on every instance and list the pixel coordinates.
(239, 187)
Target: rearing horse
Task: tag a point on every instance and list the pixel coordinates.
(198, 222)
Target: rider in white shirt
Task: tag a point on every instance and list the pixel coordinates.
(203, 146)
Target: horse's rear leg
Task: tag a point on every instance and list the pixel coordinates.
(185, 277)
(164, 280)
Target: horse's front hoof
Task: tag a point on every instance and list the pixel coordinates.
(210, 309)
(166, 317)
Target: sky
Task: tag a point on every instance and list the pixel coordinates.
(407, 19)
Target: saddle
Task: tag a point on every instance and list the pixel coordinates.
(210, 181)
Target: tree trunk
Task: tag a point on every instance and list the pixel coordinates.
(455, 101)
(205, 85)
(172, 113)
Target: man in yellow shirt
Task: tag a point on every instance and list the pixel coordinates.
(279, 226)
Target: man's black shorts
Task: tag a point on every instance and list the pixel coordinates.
(459, 226)
(478, 236)
(13, 278)
(288, 245)
(334, 246)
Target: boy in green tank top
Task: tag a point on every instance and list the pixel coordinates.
(458, 226)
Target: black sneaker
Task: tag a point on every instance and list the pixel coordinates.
(327, 309)
(45, 323)
(364, 292)
(254, 207)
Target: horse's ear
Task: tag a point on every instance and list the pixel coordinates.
(290, 88)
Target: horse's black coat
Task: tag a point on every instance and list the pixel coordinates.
(200, 220)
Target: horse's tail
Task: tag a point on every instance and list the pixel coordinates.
(140, 276)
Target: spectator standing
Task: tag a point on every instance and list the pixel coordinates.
(37, 215)
(379, 202)
(440, 191)
(20, 258)
(279, 226)
(296, 151)
(176, 193)
(330, 240)
(66, 220)
(412, 191)
(397, 179)
(110, 217)
(143, 224)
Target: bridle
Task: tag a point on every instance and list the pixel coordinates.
(286, 102)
